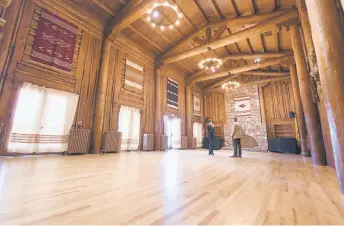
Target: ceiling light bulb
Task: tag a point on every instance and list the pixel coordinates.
(177, 22)
(162, 28)
(153, 25)
(156, 13)
(213, 69)
(166, 4)
(171, 26)
(155, 5)
(180, 15)
(148, 19)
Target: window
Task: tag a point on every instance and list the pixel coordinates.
(129, 126)
(198, 133)
(42, 120)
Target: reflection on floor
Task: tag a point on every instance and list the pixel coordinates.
(175, 187)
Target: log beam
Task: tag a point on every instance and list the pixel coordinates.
(129, 14)
(239, 21)
(242, 69)
(189, 114)
(310, 110)
(326, 29)
(300, 118)
(99, 108)
(256, 56)
(257, 82)
(158, 109)
(262, 27)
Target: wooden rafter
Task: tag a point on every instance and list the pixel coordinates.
(129, 14)
(258, 29)
(144, 37)
(244, 20)
(104, 7)
(256, 82)
(242, 69)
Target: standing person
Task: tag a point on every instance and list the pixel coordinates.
(237, 135)
(210, 127)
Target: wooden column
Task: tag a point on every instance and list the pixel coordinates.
(328, 43)
(309, 107)
(189, 114)
(313, 69)
(299, 111)
(99, 108)
(158, 109)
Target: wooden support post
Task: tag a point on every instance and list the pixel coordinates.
(309, 107)
(328, 43)
(189, 113)
(99, 108)
(158, 110)
(300, 118)
(313, 67)
(262, 104)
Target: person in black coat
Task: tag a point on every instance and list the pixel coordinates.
(210, 127)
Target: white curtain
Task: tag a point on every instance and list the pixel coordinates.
(172, 129)
(198, 133)
(176, 133)
(42, 120)
(129, 126)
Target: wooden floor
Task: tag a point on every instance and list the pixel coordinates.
(175, 187)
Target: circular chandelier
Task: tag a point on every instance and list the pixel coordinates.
(210, 64)
(164, 15)
(230, 85)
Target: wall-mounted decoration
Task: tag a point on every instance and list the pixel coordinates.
(172, 93)
(242, 106)
(196, 104)
(54, 43)
(133, 76)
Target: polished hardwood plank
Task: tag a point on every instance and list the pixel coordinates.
(174, 187)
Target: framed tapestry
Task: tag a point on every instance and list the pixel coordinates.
(172, 93)
(196, 104)
(242, 106)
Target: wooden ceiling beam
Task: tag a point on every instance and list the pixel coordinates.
(241, 70)
(222, 81)
(257, 55)
(104, 7)
(257, 82)
(262, 27)
(266, 73)
(128, 15)
(146, 38)
(237, 57)
(238, 21)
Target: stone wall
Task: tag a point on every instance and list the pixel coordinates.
(252, 124)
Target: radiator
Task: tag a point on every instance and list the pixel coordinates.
(79, 141)
(194, 143)
(112, 142)
(164, 142)
(2, 134)
(184, 142)
(148, 142)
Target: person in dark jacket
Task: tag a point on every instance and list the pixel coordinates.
(210, 127)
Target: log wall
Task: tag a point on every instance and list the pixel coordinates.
(278, 102)
(214, 107)
(16, 67)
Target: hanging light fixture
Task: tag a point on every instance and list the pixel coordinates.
(210, 64)
(230, 85)
(157, 15)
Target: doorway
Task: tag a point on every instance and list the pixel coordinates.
(42, 120)
(172, 129)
